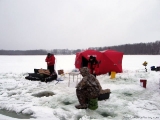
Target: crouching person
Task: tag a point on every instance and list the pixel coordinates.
(88, 88)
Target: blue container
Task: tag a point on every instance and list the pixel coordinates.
(153, 68)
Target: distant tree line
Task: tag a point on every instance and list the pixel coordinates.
(40, 52)
(152, 48)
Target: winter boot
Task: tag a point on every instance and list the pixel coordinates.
(81, 106)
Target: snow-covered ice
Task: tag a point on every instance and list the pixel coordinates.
(128, 99)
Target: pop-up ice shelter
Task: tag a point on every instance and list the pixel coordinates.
(82, 58)
(109, 60)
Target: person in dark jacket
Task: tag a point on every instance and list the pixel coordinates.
(50, 59)
(88, 88)
(93, 65)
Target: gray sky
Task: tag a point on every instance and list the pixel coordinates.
(74, 24)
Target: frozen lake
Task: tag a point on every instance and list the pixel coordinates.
(22, 64)
(128, 99)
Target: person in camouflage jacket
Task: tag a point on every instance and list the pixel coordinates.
(88, 88)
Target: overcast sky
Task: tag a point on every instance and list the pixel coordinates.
(74, 24)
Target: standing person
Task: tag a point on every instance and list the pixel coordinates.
(93, 65)
(88, 88)
(50, 59)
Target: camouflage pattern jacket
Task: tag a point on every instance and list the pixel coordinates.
(88, 82)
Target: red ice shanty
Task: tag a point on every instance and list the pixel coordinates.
(109, 60)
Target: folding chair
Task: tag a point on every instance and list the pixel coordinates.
(61, 73)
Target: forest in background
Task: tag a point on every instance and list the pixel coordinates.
(151, 48)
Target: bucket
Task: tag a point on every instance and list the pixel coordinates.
(93, 104)
(113, 75)
(143, 83)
